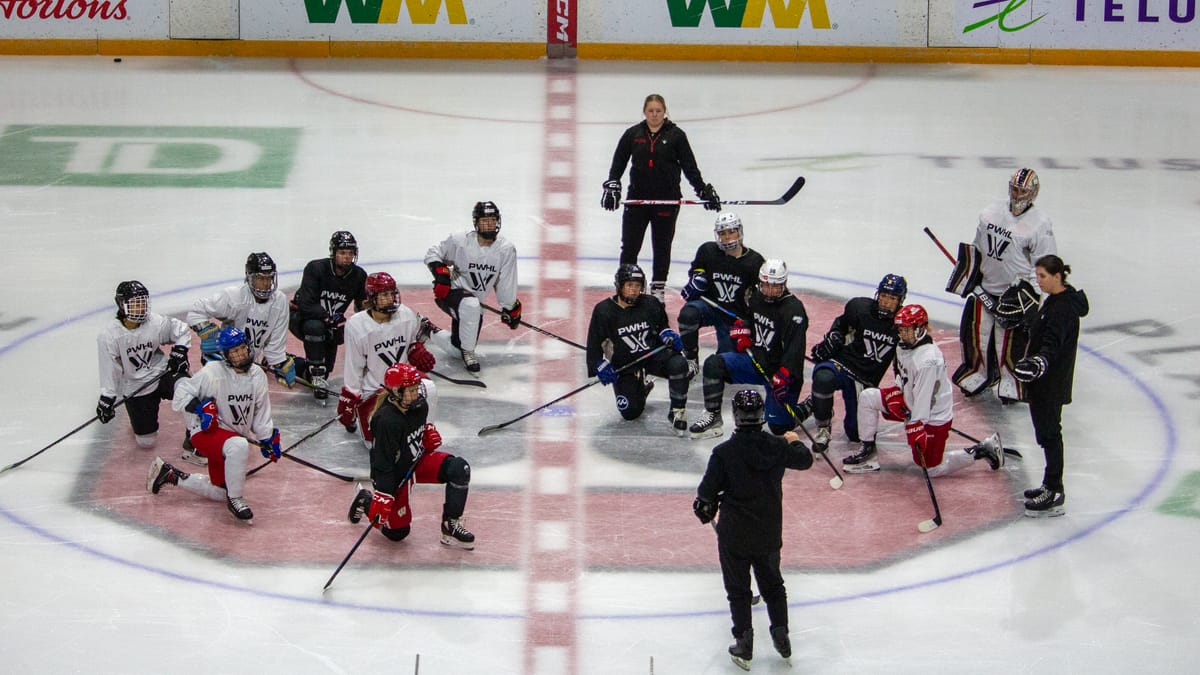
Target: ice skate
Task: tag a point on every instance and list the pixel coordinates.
(319, 383)
(678, 418)
(865, 461)
(457, 536)
(783, 644)
(162, 474)
(470, 361)
(1033, 492)
(362, 502)
(991, 450)
(240, 509)
(708, 425)
(1046, 504)
(190, 454)
(821, 439)
(742, 650)
(658, 289)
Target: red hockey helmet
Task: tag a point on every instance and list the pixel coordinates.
(382, 282)
(911, 315)
(401, 376)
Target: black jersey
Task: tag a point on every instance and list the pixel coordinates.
(397, 442)
(323, 292)
(626, 332)
(729, 278)
(657, 160)
(871, 340)
(779, 333)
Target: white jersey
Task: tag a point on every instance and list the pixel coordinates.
(921, 374)
(264, 323)
(132, 359)
(242, 403)
(1010, 245)
(373, 347)
(479, 269)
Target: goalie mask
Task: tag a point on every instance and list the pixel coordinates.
(748, 409)
(1022, 191)
(1018, 305)
(895, 286)
(728, 222)
(133, 302)
(486, 219)
(379, 283)
(626, 273)
(772, 279)
(261, 276)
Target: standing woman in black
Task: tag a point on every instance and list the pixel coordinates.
(1049, 370)
(656, 151)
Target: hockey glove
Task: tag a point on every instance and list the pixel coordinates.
(739, 333)
(270, 446)
(441, 280)
(780, 383)
(347, 409)
(106, 409)
(285, 371)
(893, 404)
(177, 362)
(606, 372)
(335, 320)
(420, 357)
(208, 337)
(671, 339)
(704, 510)
(695, 287)
(381, 508)
(430, 439)
(712, 201)
(1030, 368)
(827, 348)
(206, 410)
(915, 431)
(611, 199)
(512, 316)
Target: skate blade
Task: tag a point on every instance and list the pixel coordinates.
(451, 542)
(1048, 513)
(740, 662)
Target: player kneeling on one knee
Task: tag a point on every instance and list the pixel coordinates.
(405, 451)
(923, 399)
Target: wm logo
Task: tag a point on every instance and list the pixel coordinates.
(384, 11)
(748, 13)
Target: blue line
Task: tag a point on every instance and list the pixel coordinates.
(1156, 481)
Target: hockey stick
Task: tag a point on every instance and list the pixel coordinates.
(590, 382)
(926, 526)
(291, 447)
(82, 426)
(837, 481)
(787, 197)
(455, 380)
(370, 525)
(535, 328)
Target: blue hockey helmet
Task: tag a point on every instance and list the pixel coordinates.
(229, 339)
(892, 284)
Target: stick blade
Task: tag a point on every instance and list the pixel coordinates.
(836, 483)
(487, 430)
(927, 526)
(792, 191)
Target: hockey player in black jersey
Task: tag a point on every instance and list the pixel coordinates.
(318, 309)
(774, 344)
(626, 326)
(723, 272)
(856, 352)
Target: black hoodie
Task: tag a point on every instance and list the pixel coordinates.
(745, 477)
(1055, 337)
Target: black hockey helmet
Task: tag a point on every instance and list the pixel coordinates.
(629, 272)
(892, 284)
(261, 266)
(748, 409)
(486, 210)
(133, 301)
(343, 240)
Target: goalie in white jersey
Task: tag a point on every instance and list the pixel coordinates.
(386, 334)
(257, 308)
(923, 399)
(229, 401)
(1009, 239)
(133, 368)
(466, 267)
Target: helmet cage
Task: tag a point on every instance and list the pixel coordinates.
(261, 266)
(382, 282)
(1023, 190)
(133, 302)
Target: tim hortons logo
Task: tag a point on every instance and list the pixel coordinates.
(104, 10)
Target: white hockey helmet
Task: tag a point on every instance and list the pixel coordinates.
(774, 272)
(725, 222)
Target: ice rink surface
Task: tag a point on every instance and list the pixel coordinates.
(588, 559)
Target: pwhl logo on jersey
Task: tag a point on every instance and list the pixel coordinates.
(748, 13)
(385, 11)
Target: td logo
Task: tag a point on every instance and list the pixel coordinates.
(1001, 15)
(384, 11)
(748, 13)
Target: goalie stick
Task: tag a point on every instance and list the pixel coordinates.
(536, 328)
(787, 197)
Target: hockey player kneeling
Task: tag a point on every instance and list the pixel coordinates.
(405, 451)
(923, 399)
(228, 398)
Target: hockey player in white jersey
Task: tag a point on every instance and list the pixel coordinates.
(1008, 240)
(923, 399)
(228, 399)
(133, 368)
(386, 334)
(257, 308)
(466, 267)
